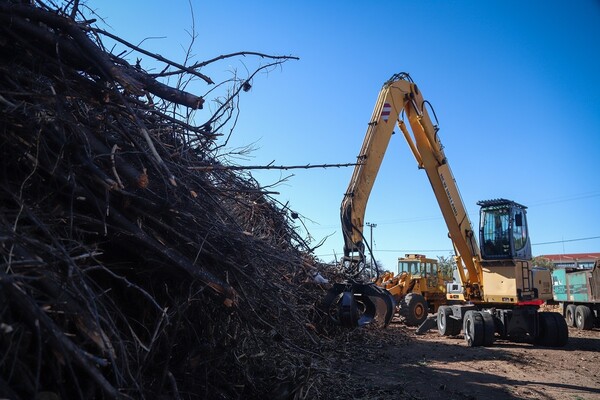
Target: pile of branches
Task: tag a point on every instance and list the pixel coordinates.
(126, 270)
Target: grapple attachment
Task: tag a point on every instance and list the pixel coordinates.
(353, 304)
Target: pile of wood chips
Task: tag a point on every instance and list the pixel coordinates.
(134, 264)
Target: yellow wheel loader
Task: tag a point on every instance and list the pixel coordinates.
(419, 287)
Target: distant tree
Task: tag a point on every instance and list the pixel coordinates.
(447, 264)
(540, 261)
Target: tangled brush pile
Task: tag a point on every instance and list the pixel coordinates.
(133, 263)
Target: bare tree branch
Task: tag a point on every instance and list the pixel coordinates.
(282, 167)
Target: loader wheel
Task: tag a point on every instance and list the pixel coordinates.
(474, 328)
(414, 309)
(570, 314)
(447, 326)
(584, 318)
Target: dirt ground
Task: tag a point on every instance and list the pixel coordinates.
(403, 365)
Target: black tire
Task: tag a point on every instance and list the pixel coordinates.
(553, 330)
(547, 334)
(414, 309)
(489, 329)
(456, 327)
(473, 328)
(584, 319)
(562, 329)
(447, 326)
(570, 314)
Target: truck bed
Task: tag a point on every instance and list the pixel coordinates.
(576, 286)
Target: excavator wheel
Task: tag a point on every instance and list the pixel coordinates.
(414, 309)
(473, 328)
(489, 329)
(553, 330)
(447, 326)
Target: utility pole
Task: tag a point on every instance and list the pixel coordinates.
(371, 225)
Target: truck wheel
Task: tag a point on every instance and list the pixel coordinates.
(489, 329)
(414, 309)
(447, 326)
(553, 330)
(584, 318)
(570, 314)
(473, 328)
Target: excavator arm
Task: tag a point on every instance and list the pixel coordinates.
(399, 96)
(428, 151)
(354, 203)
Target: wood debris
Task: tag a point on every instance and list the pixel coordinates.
(131, 264)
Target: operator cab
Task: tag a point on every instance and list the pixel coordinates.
(415, 265)
(503, 230)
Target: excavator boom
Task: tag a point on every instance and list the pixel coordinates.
(401, 99)
(398, 96)
(401, 95)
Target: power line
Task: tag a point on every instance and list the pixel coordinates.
(415, 251)
(568, 240)
(451, 250)
(400, 251)
(564, 199)
(534, 204)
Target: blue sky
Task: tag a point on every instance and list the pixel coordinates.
(515, 86)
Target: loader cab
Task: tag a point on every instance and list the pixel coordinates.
(411, 266)
(503, 230)
(417, 266)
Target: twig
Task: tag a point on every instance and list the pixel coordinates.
(190, 70)
(54, 334)
(114, 167)
(243, 53)
(283, 167)
(144, 131)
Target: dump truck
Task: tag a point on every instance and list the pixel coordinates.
(578, 293)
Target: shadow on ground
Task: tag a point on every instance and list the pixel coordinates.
(431, 367)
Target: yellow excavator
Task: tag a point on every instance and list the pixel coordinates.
(501, 293)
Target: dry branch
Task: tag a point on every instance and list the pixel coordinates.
(283, 167)
(78, 50)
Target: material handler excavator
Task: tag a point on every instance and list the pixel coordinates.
(501, 293)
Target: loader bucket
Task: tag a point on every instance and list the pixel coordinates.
(353, 304)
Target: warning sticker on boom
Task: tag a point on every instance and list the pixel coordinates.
(385, 112)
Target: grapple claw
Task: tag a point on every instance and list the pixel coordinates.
(353, 304)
